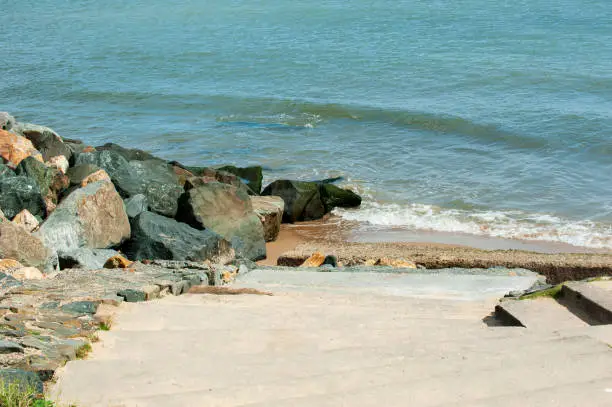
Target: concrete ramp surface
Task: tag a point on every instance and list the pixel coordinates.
(337, 339)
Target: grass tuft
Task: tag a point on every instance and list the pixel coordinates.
(19, 395)
(104, 326)
(83, 351)
(553, 292)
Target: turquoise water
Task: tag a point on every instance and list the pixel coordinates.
(477, 116)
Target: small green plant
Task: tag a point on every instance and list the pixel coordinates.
(17, 394)
(104, 326)
(83, 351)
(552, 292)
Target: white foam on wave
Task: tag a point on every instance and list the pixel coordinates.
(503, 224)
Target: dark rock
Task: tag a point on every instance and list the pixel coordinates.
(330, 180)
(302, 199)
(228, 212)
(116, 166)
(79, 172)
(24, 380)
(19, 193)
(310, 200)
(6, 121)
(51, 181)
(205, 175)
(135, 205)
(333, 197)
(330, 260)
(130, 154)
(92, 216)
(132, 295)
(251, 176)
(47, 141)
(85, 258)
(10, 347)
(16, 243)
(158, 237)
(80, 308)
(76, 147)
(162, 198)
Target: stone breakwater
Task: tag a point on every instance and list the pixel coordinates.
(84, 227)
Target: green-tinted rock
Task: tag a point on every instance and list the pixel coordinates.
(135, 205)
(80, 307)
(46, 140)
(5, 171)
(251, 176)
(302, 199)
(19, 193)
(228, 212)
(157, 237)
(334, 196)
(39, 172)
(132, 295)
(130, 154)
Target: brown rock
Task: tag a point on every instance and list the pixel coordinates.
(270, 210)
(398, 263)
(59, 162)
(99, 175)
(117, 262)
(27, 273)
(8, 265)
(315, 260)
(26, 220)
(14, 148)
(16, 243)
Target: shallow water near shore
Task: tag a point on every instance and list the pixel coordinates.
(491, 119)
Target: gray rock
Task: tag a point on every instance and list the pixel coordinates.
(16, 243)
(80, 308)
(227, 211)
(270, 210)
(24, 380)
(51, 181)
(79, 172)
(180, 287)
(19, 193)
(85, 258)
(92, 216)
(135, 205)
(157, 237)
(130, 154)
(7, 281)
(132, 295)
(10, 347)
(251, 176)
(310, 200)
(47, 141)
(6, 121)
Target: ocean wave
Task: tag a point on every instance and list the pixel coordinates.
(502, 224)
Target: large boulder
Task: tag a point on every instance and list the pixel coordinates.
(47, 141)
(130, 154)
(228, 211)
(85, 258)
(6, 121)
(19, 193)
(153, 178)
(158, 237)
(310, 200)
(5, 171)
(251, 176)
(78, 173)
(14, 148)
(51, 181)
(16, 243)
(270, 211)
(93, 216)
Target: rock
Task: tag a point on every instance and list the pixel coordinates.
(130, 154)
(153, 178)
(85, 258)
(135, 205)
(27, 273)
(59, 162)
(385, 261)
(99, 175)
(18, 244)
(302, 199)
(330, 260)
(76, 147)
(26, 220)
(227, 211)
(310, 200)
(2, 217)
(251, 176)
(132, 295)
(80, 172)
(10, 347)
(14, 148)
(6, 121)
(157, 237)
(92, 216)
(23, 380)
(205, 175)
(7, 281)
(270, 211)
(9, 265)
(80, 308)
(44, 139)
(51, 181)
(315, 260)
(117, 262)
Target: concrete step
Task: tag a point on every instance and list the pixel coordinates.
(540, 313)
(237, 379)
(592, 301)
